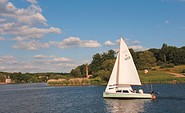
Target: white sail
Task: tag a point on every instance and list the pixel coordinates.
(112, 81)
(127, 70)
(124, 72)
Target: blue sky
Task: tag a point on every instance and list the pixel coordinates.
(58, 35)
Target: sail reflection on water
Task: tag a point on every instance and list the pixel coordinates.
(125, 106)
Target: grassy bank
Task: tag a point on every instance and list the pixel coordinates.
(75, 82)
(160, 77)
(165, 75)
(154, 76)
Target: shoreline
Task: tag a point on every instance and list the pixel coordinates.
(84, 85)
(57, 84)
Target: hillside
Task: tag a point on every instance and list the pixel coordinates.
(156, 75)
(166, 75)
(165, 65)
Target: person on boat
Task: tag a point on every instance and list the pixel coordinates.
(152, 92)
(141, 91)
(134, 91)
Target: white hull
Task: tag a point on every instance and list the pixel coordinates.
(127, 95)
(123, 76)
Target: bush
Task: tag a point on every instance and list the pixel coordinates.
(153, 69)
(167, 66)
(160, 63)
(95, 82)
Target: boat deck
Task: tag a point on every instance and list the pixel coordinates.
(127, 95)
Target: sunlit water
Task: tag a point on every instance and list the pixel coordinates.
(40, 98)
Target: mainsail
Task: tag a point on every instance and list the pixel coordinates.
(124, 72)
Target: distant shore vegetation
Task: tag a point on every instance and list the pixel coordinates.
(164, 65)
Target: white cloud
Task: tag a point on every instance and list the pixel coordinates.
(31, 15)
(43, 56)
(137, 48)
(135, 45)
(39, 56)
(90, 44)
(19, 38)
(66, 43)
(29, 21)
(7, 59)
(77, 42)
(136, 42)
(32, 1)
(59, 59)
(27, 32)
(40, 63)
(51, 59)
(117, 41)
(32, 45)
(109, 43)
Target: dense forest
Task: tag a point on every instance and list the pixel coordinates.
(102, 64)
(18, 77)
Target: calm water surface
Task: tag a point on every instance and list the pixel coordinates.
(40, 98)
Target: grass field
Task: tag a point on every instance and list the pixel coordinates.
(157, 75)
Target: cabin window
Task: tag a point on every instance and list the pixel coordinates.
(125, 91)
(118, 91)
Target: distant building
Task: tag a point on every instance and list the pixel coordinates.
(87, 73)
(86, 70)
(8, 80)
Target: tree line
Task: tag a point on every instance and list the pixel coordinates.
(102, 63)
(18, 77)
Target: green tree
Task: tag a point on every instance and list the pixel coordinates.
(26, 77)
(146, 60)
(155, 52)
(108, 55)
(76, 72)
(98, 60)
(108, 65)
(171, 54)
(82, 70)
(96, 63)
(2, 77)
(17, 77)
(163, 52)
(103, 74)
(135, 57)
(179, 57)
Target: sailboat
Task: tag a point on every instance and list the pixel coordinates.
(123, 76)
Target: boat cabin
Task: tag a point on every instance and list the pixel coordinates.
(124, 91)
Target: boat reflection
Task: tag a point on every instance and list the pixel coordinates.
(125, 106)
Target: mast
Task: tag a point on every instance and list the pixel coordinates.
(118, 73)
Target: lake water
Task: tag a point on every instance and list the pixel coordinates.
(40, 98)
